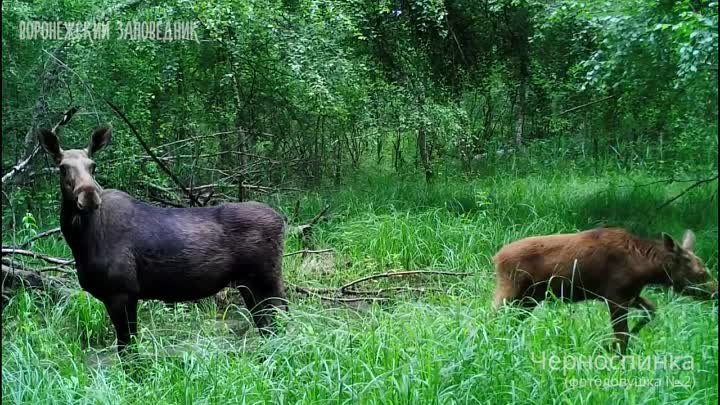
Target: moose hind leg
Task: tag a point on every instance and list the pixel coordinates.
(618, 319)
(263, 296)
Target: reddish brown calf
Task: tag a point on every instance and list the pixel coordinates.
(605, 263)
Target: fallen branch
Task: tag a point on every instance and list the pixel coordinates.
(307, 251)
(60, 268)
(35, 255)
(401, 274)
(396, 289)
(301, 229)
(316, 293)
(345, 294)
(696, 184)
(14, 277)
(40, 236)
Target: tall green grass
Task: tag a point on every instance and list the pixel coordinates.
(441, 347)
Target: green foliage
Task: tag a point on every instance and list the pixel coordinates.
(534, 117)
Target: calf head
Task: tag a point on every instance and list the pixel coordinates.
(687, 271)
(77, 167)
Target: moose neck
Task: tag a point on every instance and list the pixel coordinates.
(74, 225)
(657, 258)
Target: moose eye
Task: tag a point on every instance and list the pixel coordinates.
(63, 170)
(92, 168)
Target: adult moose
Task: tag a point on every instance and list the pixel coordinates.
(126, 250)
(605, 263)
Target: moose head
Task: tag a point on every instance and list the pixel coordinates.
(77, 167)
(686, 270)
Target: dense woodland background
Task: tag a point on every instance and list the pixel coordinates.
(410, 134)
(306, 93)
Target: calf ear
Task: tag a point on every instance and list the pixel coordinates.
(688, 240)
(99, 138)
(49, 141)
(669, 243)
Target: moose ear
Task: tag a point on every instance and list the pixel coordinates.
(49, 141)
(99, 138)
(669, 243)
(688, 242)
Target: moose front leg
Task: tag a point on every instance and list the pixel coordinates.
(648, 307)
(618, 319)
(122, 309)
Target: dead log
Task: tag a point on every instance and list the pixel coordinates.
(14, 277)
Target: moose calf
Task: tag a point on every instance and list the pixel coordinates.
(605, 263)
(126, 250)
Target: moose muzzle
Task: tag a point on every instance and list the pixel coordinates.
(87, 198)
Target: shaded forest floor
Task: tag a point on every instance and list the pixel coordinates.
(442, 345)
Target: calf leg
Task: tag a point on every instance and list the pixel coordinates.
(618, 319)
(648, 307)
(122, 309)
(502, 298)
(505, 293)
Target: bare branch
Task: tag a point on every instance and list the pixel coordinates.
(22, 164)
(60, 268)
(306, 251)
(401, 274)
(301, 229)
(585, 105)
(35, 255)
(696, 184)
(345, 294)
(396, 288)
(316, 293)
(150, 153)
(40, 236)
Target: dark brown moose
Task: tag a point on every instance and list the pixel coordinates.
(126, 250)
(606, 263)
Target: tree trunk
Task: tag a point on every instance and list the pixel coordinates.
(521, 111)
(242, 164)
(424, 154)
(519, 27)
(397, 151)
